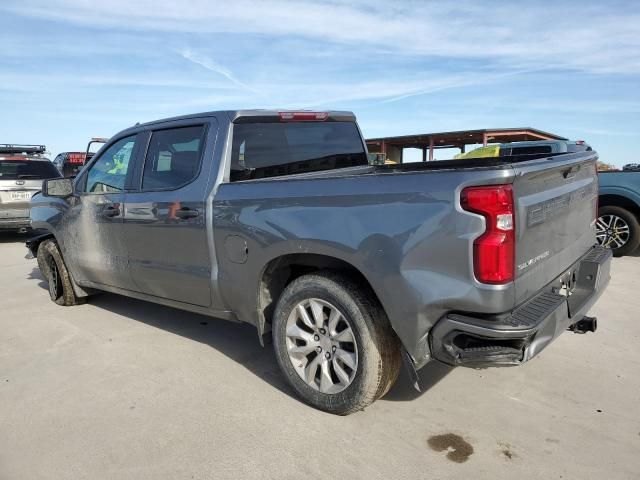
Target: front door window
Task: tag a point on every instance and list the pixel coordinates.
(109, 172)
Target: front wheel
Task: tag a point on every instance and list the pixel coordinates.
(56, 274)
(618, 229)
(334, 343)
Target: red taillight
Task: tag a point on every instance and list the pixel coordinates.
(303, 116)
(494, 250)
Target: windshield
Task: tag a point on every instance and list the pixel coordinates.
(27, 170)
(262, 150)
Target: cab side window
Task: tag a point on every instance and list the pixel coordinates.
(109, 172)
(173, 157)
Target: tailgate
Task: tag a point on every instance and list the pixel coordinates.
(556, 205)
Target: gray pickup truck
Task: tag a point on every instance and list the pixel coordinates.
(278, 219)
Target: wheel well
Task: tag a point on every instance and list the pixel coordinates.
(281, 271)
(619, 201)
(34, 243)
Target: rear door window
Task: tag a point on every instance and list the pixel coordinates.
(262, 150)
(173, 157)
(27, 170)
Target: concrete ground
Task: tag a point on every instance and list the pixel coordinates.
(123, 389)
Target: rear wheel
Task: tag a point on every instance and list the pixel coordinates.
(618, 229)
(56, 274)
(334, 343)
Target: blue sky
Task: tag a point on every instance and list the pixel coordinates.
(72, 69)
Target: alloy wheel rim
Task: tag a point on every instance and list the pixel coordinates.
(321, 346)
(612, 231)
(54, 280)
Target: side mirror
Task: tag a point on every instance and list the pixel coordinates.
(57, 187)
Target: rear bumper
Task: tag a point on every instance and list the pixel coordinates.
(14, 223)
(515, 337)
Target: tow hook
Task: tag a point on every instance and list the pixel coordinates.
(587, 324)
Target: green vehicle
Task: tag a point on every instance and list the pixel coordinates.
(535, 147)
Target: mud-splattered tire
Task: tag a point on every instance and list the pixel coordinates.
(362, 330)
(56, 274)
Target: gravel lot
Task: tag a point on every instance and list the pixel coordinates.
(121, 389)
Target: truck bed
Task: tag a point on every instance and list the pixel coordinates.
(403, 227)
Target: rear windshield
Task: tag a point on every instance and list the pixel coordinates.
(262, 150)
(27, 169)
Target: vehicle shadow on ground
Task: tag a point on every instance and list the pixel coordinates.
(238, 341)
(36, 274)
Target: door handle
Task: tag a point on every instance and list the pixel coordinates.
(111, 211)
(186, 213)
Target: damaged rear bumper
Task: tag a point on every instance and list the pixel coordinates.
(513, 338)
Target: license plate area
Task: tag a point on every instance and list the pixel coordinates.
(566, 283)
(19, 196)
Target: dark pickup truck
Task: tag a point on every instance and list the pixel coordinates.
(278, 219)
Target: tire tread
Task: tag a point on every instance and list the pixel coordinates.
(49, 249)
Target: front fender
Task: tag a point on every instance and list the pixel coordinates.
(34, 243)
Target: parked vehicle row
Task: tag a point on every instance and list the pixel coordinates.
(278, 219)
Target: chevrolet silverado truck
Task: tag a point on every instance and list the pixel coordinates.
(618, 226)
(22, 170)
(279, 220)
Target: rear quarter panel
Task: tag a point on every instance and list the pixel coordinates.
(405, 232)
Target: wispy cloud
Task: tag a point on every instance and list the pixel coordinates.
(215, 67)
(468, 79)
(515, 32)
(55, 81)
